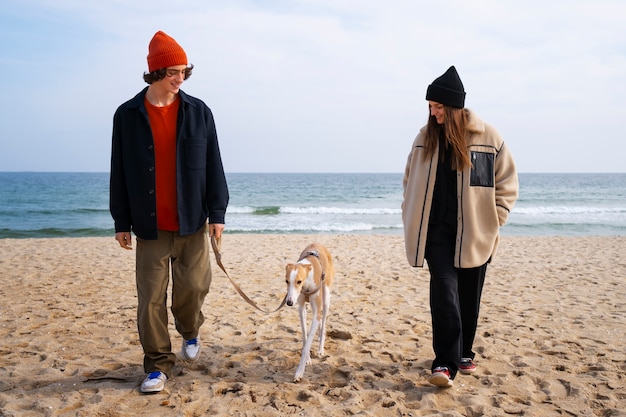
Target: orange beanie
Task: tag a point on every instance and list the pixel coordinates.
(164, 52)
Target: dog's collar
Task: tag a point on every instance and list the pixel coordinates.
(310, 253)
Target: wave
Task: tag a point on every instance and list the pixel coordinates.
(273, 210)
(268, 210)
(55, 232)
(569, 210)
(54, 211)
(329, 228)
(338, 210)
(257, 227)
(563, 229)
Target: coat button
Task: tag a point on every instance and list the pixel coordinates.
(150, 147)
(150, 169)
(152, 214)
(151, 192)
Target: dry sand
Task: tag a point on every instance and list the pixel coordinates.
(551, 339)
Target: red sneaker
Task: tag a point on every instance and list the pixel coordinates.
(467, 366)
(441, 377)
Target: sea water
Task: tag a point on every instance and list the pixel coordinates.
(36, 204)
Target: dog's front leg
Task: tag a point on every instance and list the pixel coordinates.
(305, 358)
(302, 315)
(325, 308)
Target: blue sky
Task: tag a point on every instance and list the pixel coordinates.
(319, 85)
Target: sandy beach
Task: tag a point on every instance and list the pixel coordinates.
(551, 339)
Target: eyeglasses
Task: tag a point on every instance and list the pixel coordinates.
(173, 72)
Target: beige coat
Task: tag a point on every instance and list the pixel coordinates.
(486, 194)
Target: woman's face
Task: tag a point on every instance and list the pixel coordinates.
(436, 110)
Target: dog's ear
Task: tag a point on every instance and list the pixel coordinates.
(289, 267)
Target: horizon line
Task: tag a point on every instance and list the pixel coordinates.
(311, 172)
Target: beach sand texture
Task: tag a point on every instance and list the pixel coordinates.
(551, 339)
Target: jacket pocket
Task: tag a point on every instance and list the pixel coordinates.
(195, 153)
(482, 173)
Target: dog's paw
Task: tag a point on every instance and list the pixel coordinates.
(298, 376)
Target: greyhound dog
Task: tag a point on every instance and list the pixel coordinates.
(309, 280)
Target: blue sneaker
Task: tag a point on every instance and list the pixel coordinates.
(154, 382)
(191, 349)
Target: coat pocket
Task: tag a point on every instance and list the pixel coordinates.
(482, 174)
(195, 153)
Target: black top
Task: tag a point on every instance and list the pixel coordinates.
(442, 222)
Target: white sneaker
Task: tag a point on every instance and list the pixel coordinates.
(191, 349)
(154, 382)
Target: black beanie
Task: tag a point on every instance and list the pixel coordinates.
(447, 90)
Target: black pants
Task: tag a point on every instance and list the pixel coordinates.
(454, 305)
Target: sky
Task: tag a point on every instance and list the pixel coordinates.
(319, 85)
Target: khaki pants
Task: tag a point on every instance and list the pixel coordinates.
(188, 257)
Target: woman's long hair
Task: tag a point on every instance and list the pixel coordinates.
(454, 130)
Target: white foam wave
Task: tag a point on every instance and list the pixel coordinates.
(317, 210)
(338, 210)
(318, 228)
(569, 210)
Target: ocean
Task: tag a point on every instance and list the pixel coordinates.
(44, 205)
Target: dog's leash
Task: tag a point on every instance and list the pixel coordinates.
(216, 244)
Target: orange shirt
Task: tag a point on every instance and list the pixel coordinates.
(163, 125)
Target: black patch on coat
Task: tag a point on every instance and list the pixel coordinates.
(482, 174)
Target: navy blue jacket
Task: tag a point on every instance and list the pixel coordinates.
(200, 180)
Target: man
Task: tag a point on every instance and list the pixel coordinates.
(167, 181)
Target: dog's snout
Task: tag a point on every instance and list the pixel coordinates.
(289, 303)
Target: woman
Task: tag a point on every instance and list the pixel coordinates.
(460, 184)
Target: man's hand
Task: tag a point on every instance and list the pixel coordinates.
(216, 229)
(125, 240)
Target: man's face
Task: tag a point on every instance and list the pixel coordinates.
(174, 78)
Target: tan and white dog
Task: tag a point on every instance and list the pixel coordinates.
(309, 280)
